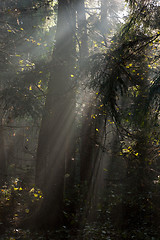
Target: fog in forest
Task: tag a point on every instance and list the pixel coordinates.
(79, 114)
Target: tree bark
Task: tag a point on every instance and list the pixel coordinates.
(3, 166)
(58, 118)
(82, 31)
(104, 16)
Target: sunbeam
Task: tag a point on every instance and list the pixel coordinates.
(79, 119)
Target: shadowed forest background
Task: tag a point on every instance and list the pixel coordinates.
(79, 119)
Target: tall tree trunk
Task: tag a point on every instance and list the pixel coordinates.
(104, 16)
(87, 126)
(87, 144)
(82, 32)
(2, 156)
(58, 118)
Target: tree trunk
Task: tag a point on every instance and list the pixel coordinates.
(2, 157)
(58, 118)
(104, 17)
(82, 32)
(86, 150)
(87, 144)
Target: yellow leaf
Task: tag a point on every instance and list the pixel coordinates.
(38, 44)
(21, 29)
(125, 150)
(27, 210)
(30, 88)
(9, 30)
(20, 189)
(36, 195)
(67, 175)
(32, 190)
(72, 75)
(97, 129)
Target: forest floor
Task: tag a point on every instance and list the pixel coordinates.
(118, 216)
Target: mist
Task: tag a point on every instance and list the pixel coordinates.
(79, 132)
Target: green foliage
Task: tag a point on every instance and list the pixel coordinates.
(26, 39)
(125, 66)
(125, 79)
(17, 202)
(25, 96)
